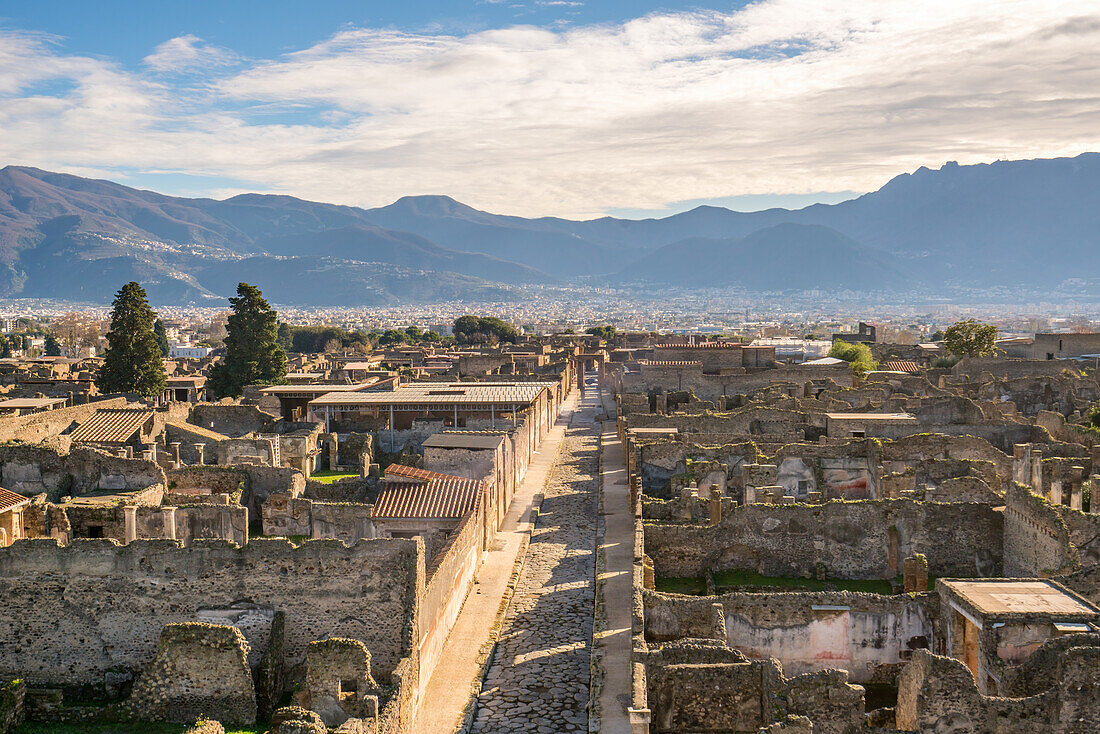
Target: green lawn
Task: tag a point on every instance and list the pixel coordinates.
(732, 580)
(328, 477)
(135, 728)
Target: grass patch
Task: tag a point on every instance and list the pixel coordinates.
(739, 580)
(328, 477)
(41, 727)
(726, 579)
(672, 585)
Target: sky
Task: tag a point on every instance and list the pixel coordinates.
(574, 108)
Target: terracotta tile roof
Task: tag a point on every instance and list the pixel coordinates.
(666, 363)
(111, 425)
(10, 500)
(704, 345)
(408, 492)
(901, 365)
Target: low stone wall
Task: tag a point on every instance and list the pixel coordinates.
(12, 712)
(31, 470)
(40, 426)
(198, 670)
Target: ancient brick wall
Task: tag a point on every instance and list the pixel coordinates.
(31, 470)
(232, 420)
(94, 607)
(1036, 539)
(856, 540)
(869, 635)
(199, 669)
(40, 426)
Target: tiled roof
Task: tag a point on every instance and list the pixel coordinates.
(9, 500)
(441, 393)
(704, 345)
(654, 363)
(111, 425)
(408, 492)
(901, 365)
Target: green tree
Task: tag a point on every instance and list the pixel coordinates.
(5, 347)
(970, 338)
(162, 337)
(285, 336)
(483, 330)
(53, 347)
(858, 356)
(132, 362)
(606, 333)
(252, 353)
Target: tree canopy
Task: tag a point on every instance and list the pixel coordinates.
(253, 355)
(162, 337)
(484, 330)
(606, 333)
(53, 347)
(858, 356)
(132, 362)
(970, 338)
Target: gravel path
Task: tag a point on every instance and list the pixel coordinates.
(538, 680)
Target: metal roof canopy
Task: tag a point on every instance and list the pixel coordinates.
(441, 393)
(463, 441)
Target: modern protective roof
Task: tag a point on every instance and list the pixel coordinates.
(418, 494)
(111, 425)
(22, 403)
(442, 393)
(1019, 596)
(475, 441)
(901, 365)
(315, 388)
(870, 417)
(10, 500)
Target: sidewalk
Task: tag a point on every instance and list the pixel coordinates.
(452, 683)
(616, 591)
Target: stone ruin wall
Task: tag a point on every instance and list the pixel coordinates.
(94, 607)
(31, 470)
(1036, 539)
(853, 540)
(869, 635)
(38, 427)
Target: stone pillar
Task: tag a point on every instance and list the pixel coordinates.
(649, 578)
(915, 573)
(1055, 491)
(130, 516)
(687, 503)
(175, 446)
(333, 452)
(1096, 459)
(715, 509)
(129, 452)
(1076, 495)
(718, 619)
(1037, 471)
(199, 449)
(750, 495)
(1021, 463)
(169, 515)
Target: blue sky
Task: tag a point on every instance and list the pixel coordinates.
(542, 107)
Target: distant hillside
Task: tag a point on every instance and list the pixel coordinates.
(1011, 223)
(783, 257)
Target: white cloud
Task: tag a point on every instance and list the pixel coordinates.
(188, 53)
(784, 96)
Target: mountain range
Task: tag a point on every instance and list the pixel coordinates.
(1033, 223)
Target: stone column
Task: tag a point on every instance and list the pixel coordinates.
(1037, 471)
(169, 514)
(1076, 490)
(199, 448)
(649, 577)
(750, 495)
(1021, 462)
(1055, 491)
(333, 452)
(1096, 459)
(175, 445)
(129, 452)
(715, 509)
(130, 516)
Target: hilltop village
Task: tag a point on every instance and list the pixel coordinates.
(567, 533)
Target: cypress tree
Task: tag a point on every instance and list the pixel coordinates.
(162, 337)
(132, 360)
(252, 352)
(53, 347)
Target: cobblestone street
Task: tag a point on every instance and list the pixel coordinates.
(539, 677)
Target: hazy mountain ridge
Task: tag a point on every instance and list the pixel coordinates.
(1005, 223)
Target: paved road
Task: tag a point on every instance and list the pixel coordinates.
(539, 677)
(450, 688)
